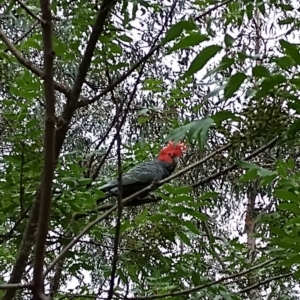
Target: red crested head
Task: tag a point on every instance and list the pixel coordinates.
(172, 152)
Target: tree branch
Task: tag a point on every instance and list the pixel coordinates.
(15, 286)
(143, 59)
(205, 285)
(42, 21)
(28, 64)
(249, 288)
(25, 247)
(29, 234)
(120, 209)
(87, 57)
(235, 165)
(49, 158)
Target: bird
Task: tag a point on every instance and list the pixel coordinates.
(144, 173)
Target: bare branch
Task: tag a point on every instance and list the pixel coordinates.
(49, 158)
(209, 11)
(121, 78)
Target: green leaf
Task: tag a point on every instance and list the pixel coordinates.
(249, 175)
(125, 38)
(234, 83)
(286, 195)
(195, 38)
(32, 123)
(260, 72)
(114, 48)
(286, 21)
(201, 59)
(292, 50)
(191, 226)
(178, 190)
(225, 63)
(176, 30)
(216, 91)
(293, 207)
(229, 40)
(284, 62)
(209, 195)
(194, 129)
(247, 165)
(249, 11)
(184, 238)
(225, 115)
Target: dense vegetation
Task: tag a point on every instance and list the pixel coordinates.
(91, 88)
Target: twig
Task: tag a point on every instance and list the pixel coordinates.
(42, 21)
(24, 35)
(202, 286)
(95, 174)
(249, 288)
(120, 79)
(209, 11)
(28, 64)
(49, 158)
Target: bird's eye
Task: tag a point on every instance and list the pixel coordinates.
(170, 154)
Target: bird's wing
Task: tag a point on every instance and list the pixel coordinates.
(145, 172)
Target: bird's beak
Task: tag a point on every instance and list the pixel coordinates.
(176, 159)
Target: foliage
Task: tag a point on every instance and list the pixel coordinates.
(224, 78)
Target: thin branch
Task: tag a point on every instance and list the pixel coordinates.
(87, 57)
(235, 165)
(24, 35)
(249, 288)
(22, 216)
(205, 285)
(15, 286)
(77, 238)
(42, 21)
(121, 78)
(209, 11)
(28, 64)
(120, 209)
(149, 188)
(143, 59)
(49, 158)
(25, 247)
